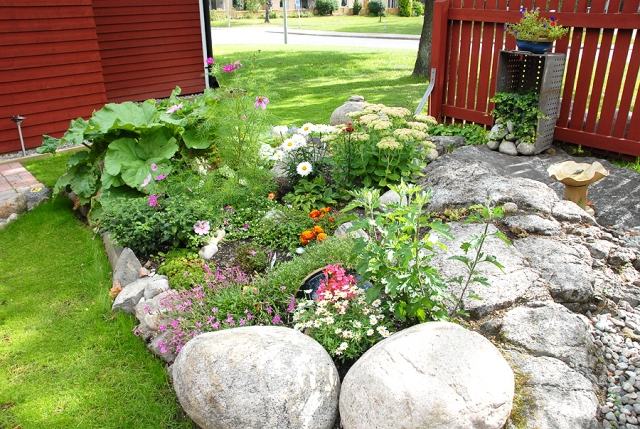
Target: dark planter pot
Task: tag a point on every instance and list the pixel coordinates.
(534, 47)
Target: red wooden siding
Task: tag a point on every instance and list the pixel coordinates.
(601, 96)
(149, 47)
(50, 68)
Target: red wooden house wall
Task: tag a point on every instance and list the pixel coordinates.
(60, 59)
(149, 46)
(50, 67)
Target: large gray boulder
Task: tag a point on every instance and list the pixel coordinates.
(12, 202)
(132, 293)
(554, 395)
(516, 280)
(566, 266)
(257, 377)
(436, 375)
(550, 330)
(355, 103)
(533, 224)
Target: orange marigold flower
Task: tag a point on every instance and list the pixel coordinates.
(272, 196)
(318, 229)
(332, 219)
(303, 241)
(308, 235)
(326, 209)
(321, 237)
(315, 214)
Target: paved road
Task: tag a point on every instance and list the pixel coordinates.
(273, 36)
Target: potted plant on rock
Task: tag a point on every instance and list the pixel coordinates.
(535, 33)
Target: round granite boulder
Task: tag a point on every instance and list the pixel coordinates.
(436, 375)
(257, 377)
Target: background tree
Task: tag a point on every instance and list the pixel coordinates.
(267, 10)
(422, 67)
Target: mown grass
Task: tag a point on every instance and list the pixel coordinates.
(344, 23)
(305, 84)
(65, 360)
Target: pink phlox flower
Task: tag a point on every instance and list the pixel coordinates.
(207, 270)
(202, 227)
(230, 319)
(242, 322)
(161, 177)
(249, 315)
(162, 347)
(261, 102)
(292, 304)
(277, 320)
(269, 310)
(152, 200)
(216, 325)
(174, 323)
(174, 108)
(162, 328)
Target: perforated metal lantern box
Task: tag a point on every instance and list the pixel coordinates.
(521, 71)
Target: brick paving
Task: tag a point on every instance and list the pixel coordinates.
(13, 176)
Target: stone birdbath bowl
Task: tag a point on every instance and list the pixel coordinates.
(576, 177)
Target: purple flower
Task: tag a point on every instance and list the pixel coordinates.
(250, 315)
(160, 177)
(261, 102)
(230, 68)
(174, 323)
(277, 320)
(214, 310)
(162, 328)
(162, 346)
(292, 304)
(146, 181)
(246, 226)
(152, 200)
(154, 167)
(210, 61)
(174, 108)
(242, 322)
(230, 320)
(202, 227)
(216, 325)
(269, 309)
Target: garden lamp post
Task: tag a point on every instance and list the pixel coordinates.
(18, 120)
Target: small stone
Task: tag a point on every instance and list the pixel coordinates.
(526, 149)
(628, 387)
(610, 416)
(508, 148)
(390, 197)
(127, 268)
(493, 144)
(299, 250)
(510, 208)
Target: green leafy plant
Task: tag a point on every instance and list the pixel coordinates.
(326, 7)
(473, 255)
(405, 7)
(534, 27)
(521, 111)
(251, 258)
(418, 8)
(473, 134)
(308, 194)
(396, 258)
(376, 8)
(357, 7)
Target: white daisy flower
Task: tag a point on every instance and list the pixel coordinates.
(280, 131)
(289, 144)
(300, 140)
(307, 128)
(369, 332)
(304, 168)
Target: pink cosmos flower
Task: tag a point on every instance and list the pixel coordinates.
(261, 102)
(202, 227)
(210, 61)
(174, 108)
(152, 200)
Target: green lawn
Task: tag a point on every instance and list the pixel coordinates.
(65, 360)
(349, 24)
(305, 84)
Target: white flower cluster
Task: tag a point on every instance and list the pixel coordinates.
(389, 143)
(408, 134)
(426, 119)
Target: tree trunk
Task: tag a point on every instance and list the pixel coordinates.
(267, 11)
(422, 68)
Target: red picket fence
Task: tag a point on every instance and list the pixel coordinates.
(601, 92)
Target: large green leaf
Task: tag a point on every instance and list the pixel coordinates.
(195, 139)
(125, 116)
(131, 158)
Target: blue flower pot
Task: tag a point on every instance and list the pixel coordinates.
(534, 47)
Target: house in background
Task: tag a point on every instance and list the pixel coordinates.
(61, 59)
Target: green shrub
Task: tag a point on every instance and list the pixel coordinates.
(251, 258)
(376, 8)
(326, 7)
(357, 7)
(184, 268)
(473, 134)
(405, 7)
(418, 8)
(252, 5)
